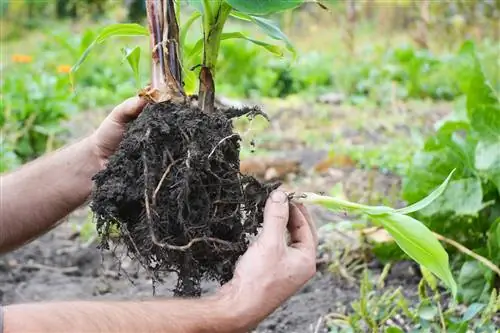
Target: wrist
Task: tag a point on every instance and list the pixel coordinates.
(97, 156)
(244, 308)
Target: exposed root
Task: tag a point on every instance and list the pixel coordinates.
(175, 192)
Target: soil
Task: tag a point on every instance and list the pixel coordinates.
(175, 194)
(61, 266)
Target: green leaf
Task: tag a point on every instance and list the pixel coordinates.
(428, 312)
(473, 284)
(394, 329)
(263, 7)
(274, 49)
(198, 47)
(416, 240)
(488, 160)
(114, 30)
(462, 197)
(472, 311)
(185, 27)
(483, 105)
(494, 241)
(338, 204)
(133, 57)
(427, 200)
(269, 27)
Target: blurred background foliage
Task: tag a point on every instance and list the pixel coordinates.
(381, 69)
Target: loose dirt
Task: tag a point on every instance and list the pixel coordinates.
(175, 194)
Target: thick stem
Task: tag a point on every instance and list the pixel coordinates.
(213, 23)
(166, 74)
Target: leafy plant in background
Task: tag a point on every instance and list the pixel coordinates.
(469, 210)
(390, 311)
(34, 103)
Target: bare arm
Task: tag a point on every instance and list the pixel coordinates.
(269, 273)
(34, 198)
(217, 314)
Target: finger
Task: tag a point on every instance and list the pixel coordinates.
(301, 235)
(128, 110)
(276, 215)
(309, 219)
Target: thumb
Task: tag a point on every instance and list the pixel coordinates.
(276, 215)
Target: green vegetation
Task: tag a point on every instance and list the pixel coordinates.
(392, 312)
(468, 140)
(396, 94)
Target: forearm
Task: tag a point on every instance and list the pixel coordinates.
(179, 316)
(44, 191)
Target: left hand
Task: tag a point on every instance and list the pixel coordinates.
(110, 133)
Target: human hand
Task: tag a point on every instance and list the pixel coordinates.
(272, 270)
(108, 135)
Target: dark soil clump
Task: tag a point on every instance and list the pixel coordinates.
(174, 192)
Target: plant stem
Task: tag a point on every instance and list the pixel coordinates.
(166, 74)
(465, 250)
(213, 23)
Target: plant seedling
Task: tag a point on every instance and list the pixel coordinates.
(174, 189)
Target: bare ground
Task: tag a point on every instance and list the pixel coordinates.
(62, 266)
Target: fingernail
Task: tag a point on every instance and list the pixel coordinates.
(278, 196)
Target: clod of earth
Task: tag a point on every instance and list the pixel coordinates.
(175, 192)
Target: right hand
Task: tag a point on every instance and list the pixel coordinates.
(271, 270)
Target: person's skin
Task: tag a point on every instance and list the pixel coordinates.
(37, 196)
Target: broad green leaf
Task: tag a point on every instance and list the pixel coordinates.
(114, 30)
(263, 7)
(442, 153)
(416, 240)
(473, 283)
(133, 57)
(428, 312)
(472, 311)
(488, 160)
(269, 27)
(461, 197)
(483, 105)
(427, 200)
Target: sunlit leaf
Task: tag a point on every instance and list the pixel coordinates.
(263, 7)
(114, 30)
(133, 57)
(418, 242)
(274, 49)
(473, 311)
(427, 200)
(198, 47)
(269, 27)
